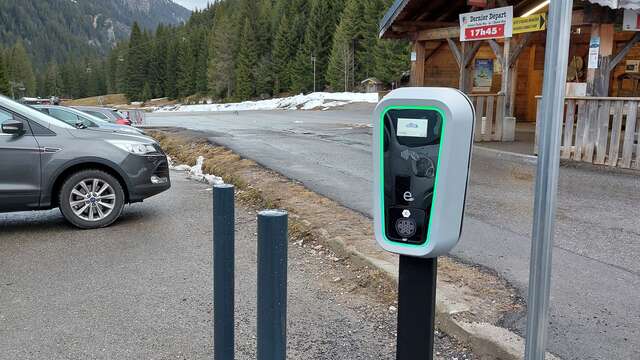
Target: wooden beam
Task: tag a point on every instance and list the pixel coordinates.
(497, 50)
(624, 51)
(418, 74)
(457, 54)
(426, 24)
(439, 34)
(517, 50)
(471, 52)
(430, 53)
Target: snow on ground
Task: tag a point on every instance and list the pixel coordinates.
(195, 172)
(317, 100)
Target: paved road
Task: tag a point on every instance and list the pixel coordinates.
(595, 304)
(142, 289)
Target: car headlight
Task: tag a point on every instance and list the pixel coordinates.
(133, 147)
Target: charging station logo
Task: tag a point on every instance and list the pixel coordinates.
(408, 196)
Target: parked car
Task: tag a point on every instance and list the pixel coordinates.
(90, 175)
(108, 114)
(81, 119)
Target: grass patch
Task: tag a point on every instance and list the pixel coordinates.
(111, 99)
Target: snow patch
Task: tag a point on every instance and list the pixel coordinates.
(195, 172)
(317, 100)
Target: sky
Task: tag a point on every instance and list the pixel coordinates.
(192, 4)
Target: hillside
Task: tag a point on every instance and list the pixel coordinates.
(57, 30)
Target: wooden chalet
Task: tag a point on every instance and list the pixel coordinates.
(504, 76)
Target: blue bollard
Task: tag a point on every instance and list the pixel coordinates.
(272, 285)
(223, 271)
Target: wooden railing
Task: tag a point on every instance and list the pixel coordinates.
(599, 130)
(489, 121)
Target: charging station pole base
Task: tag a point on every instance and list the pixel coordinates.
(416, 308)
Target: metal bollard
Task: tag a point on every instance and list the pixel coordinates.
(223, 271)
(272, 285)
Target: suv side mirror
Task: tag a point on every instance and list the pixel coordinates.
(13, 126)
(80, 125)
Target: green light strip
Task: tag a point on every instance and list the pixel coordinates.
(435, 184)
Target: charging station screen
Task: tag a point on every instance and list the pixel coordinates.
(410, 156)
(412, 127)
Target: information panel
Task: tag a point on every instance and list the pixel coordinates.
(488, 24)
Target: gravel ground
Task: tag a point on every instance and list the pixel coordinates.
(142, 289)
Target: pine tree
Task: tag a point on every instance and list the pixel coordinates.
(146, 92)
(342, 62)
(171, 81)
(52, 81)
(20, 70)
(201, 80)
(246, 64)
(158, 62)
(323, 19)
(391, 60)
(5, 88)
(283, 50)
(264, 39)
(135, 58)
(221, 73)
(373, 10)
(185, 66)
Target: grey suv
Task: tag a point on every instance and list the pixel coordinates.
(90, 175)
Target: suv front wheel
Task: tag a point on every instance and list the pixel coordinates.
(91, 199)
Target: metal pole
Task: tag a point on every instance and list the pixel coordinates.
(313, 60)
(223, 271)
(272, 285)
(416, 308)
(553, 93)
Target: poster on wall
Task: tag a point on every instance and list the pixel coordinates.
(487, 24)
(483, 75)
(594, 51)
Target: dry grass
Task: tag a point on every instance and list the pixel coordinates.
(111, 99)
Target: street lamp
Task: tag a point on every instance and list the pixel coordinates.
(313, 61)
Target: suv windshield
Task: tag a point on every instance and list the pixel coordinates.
(32, 113)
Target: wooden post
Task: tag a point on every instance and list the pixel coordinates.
(505, 85)
(464, 71)
(598, 79)
(417, 75)
(603, 74)
(591, 73)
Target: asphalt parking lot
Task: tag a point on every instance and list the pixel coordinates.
(142, 289)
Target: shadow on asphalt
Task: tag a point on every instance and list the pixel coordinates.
(39, 222)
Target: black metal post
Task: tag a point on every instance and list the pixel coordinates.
(272, 285)
(223, 271)
(416, 308)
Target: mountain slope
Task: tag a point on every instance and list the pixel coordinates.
(55, 30)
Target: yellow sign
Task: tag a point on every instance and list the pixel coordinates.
(537, 22)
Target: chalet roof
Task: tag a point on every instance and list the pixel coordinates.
(436, 13)
(442, 13)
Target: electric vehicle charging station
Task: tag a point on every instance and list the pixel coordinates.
(422, 146)
(422, 141)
